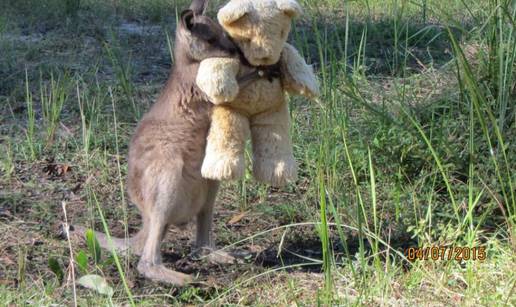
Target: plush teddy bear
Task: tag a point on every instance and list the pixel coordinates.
(260, 29)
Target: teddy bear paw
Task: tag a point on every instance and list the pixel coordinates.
(275, 172)
(217, 167)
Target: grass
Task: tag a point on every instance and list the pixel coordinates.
(410, 145)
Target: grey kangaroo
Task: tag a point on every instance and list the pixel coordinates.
(167, 150)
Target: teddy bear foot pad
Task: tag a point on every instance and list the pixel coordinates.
(222, 168)
(276, 173)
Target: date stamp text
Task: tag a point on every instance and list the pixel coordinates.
(450, 253)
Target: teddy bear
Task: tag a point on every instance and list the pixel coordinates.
(259, 110)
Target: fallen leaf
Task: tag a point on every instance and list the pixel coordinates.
(253, 248)
(236, 218)
(5, 212)
(6, 282)
(6, 260)
(63, 169)
(53, 169)
(97, 283)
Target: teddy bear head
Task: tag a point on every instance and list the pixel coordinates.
(259, 28)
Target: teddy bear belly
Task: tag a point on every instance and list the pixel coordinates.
(259, 96)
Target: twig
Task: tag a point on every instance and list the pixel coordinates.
(67, 232)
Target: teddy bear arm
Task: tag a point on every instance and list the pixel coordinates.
(216, 77)
(297, 76)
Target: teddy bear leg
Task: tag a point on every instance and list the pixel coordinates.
(273, 161)
(224, 159)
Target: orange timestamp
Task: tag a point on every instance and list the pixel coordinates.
(456, 253)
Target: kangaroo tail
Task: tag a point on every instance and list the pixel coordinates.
(133, 244)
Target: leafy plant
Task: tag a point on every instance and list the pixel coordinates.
(56, 268)
(93, 245)
(82, 261)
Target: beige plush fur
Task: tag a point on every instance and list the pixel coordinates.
(260, 29)
(298, 78)
(220, 69)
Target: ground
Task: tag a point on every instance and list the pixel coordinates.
(410, 145)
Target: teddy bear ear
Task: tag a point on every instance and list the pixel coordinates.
(232, 12)
(290, 7)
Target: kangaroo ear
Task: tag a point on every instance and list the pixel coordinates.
(187, 19)
(232, 12)
(199, 6)
(290, 7)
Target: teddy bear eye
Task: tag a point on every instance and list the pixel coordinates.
(240, 21)
(243, 17)
(246, 40)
